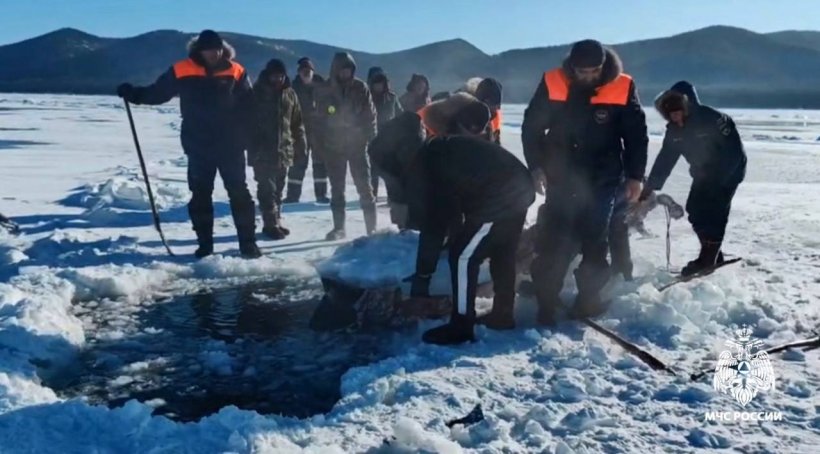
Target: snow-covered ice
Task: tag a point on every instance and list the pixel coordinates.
(70, 178)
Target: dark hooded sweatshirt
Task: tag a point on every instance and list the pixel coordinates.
(455, 176)
(709, 141)
(345, 112)
(594, 141)
(216, 103)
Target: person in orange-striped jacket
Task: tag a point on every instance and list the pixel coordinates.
(595, 147)
(216, 104)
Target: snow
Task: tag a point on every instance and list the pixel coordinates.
(70, 178)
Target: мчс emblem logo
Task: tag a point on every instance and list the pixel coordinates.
(601, 116)
(743, 371)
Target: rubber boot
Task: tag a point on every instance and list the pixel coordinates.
(590, 280)
(294, 193)
(249, 250)
(370, 219)
(320, 189)
(498, 319)
(710, 255)
(205, 239)
(338, 231)
(271, 228)
(278, 219)
(457, 331)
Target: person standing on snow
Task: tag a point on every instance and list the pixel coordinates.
(305, 84)
(417, 95)
(596, 145)
(467, 179)
(710, 143)
(279, 135)
(216, 103)
(387, 108)
(347, 119)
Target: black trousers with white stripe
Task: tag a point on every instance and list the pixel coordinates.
(476, 242)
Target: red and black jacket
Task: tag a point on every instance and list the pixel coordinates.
(595, 135)
(216, 104)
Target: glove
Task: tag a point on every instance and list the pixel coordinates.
(419, 286)
(127, 92)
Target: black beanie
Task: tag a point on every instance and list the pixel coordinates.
(276, 66)
(473, 116)
(489, 92)
(209, 40)
(587, 54)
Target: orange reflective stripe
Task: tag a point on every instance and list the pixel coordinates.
(189, 68)
(557, 84)
(496, 122)
(236, 71)
(615, 92)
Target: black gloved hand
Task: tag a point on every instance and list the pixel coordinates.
(127, 92)
(419, 286)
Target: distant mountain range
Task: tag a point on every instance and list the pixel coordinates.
(730, 66)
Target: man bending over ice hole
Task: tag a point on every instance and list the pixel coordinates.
(469, 177)
(711, 145)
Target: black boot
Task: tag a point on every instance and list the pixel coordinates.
(590, 280)
(457, 331)
(249, 250)
(370, 219)
(320, 189)
(498, 320)
(284, 230)
(710, 255)
(200, 210)
(548, 311)
(588, 305)
(294, 193)
(204, 250)
(338, 231)
(205, 238)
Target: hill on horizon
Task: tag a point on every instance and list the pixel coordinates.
(730, 66)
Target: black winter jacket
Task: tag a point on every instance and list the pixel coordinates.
(216, 103)
(459, 176)
(709, 141)
(596, 135)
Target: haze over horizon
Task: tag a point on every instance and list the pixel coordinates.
(392, 26)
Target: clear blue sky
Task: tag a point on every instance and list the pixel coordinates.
(389, 25)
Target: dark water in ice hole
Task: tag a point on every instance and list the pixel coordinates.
(249, 347)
